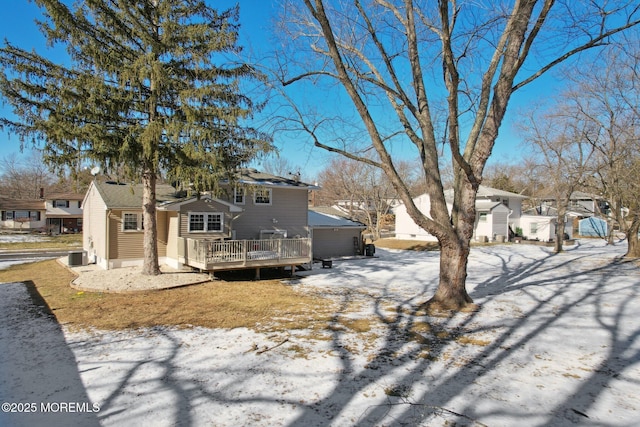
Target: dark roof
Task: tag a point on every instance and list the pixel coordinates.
(64, 196)
(255, 177)
(117, 195)
(22, 204)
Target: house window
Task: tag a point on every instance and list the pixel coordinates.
(9, 215)
(21, 215)
(132, 221)
(238, 196)
(79, 222)
(533, 228)
(482, 217)
(60, 203)
(202, 222)
(505, 202)
(262, 196)
(34, 215)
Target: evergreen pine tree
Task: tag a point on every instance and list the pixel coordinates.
(141, 90)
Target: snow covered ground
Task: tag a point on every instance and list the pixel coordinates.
(556, 342)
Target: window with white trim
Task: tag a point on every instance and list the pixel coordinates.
(239, 195)
(60, 203)
(533, 228)
(482, 217)
(205, 222)
(132, 221)
(262, 196)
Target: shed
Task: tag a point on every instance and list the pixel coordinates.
(592, 227)
(334, 235)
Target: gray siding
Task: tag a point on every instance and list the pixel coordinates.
(288, 208)
(204, 205)
(330, 242)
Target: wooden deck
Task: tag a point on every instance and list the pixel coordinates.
(217, 255)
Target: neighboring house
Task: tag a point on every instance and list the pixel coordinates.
(581, 205)
(56, 213)
(334, 235)
(262, 223)
(64, 212)
(23, 215)
(498, 215)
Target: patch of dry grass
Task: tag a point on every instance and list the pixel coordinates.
(261, 305)
(411, 245)
(63, 241)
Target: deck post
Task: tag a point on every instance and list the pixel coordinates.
(257, 273)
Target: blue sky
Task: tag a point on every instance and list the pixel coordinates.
(17, 25)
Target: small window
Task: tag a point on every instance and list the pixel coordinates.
(9, 215)
(34, 215)
(79, 222)
(21, 214)
(238, 196)
(482, 217)
(60, 203)
(132, 221)
(533, 228)
(201, 222)
(196, 222)
(262, 196)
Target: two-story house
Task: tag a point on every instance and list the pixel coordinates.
(64, 212)
(498, 215)
(260, 221)
(53, 213)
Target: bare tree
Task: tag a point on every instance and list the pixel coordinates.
(25, 178)
(608, 99)
(562, 144)
(362, 190)
(396, 62)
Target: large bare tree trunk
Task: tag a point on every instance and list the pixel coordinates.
(150, 265)
(560, 224)
(452, 293)
(633, 251)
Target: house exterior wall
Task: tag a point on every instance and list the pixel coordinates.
(335, 242)
(15, 224)
(537, 227)
(126, 247)
(209, 206)
(406, 228)
(593, 227)
(94, 235)
(173, 223)
(287, 211)
(61, 219)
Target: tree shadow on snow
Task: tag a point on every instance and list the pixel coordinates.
(554, 287)
(412, 348)
(39, 377)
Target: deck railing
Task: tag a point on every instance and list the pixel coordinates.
(230, 254)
